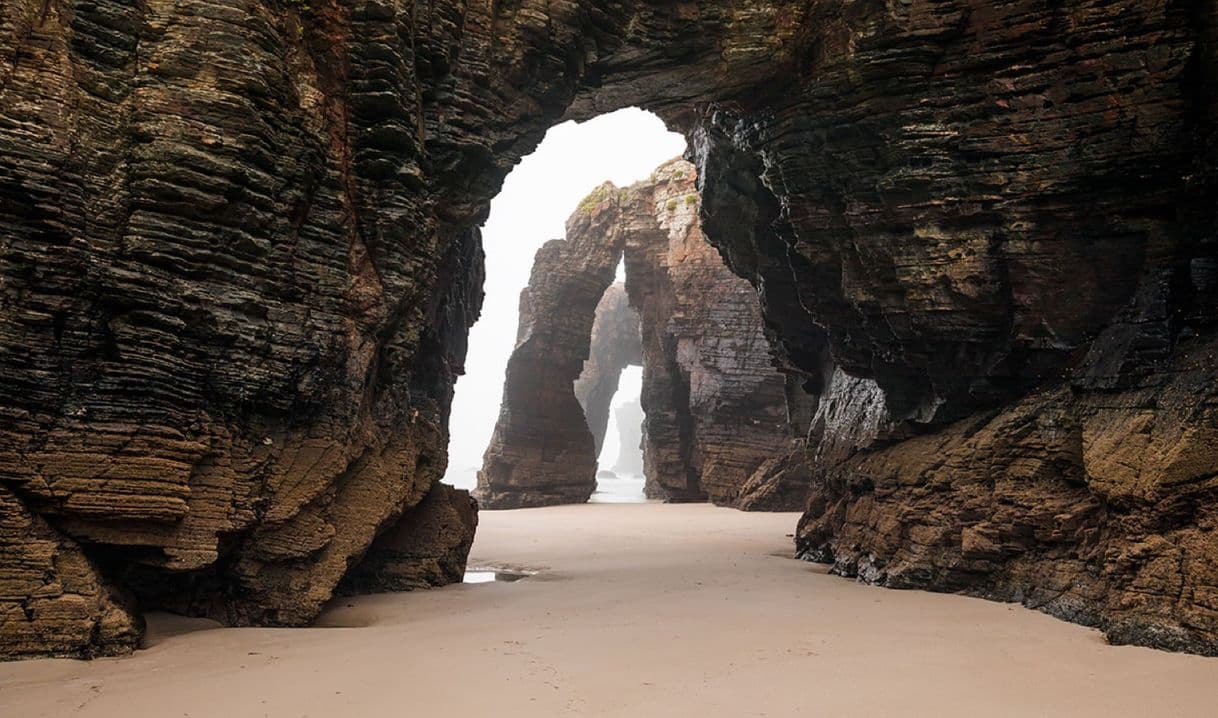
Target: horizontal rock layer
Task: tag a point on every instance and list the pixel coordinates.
(715, 405)
(428, 547)
(236, 275)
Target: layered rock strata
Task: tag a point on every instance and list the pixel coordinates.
(714, 405)
(1002, 304)
(428, 547)
(230, 312)
(236, 271)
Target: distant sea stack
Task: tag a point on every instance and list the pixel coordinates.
(628, 418)
(615, 344)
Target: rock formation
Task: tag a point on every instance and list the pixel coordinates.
(629, 419)
(1004, 302)
(427, 547)
(715, 406)
(236, 272)
(541, 451)
(615, 345)
(230, 314)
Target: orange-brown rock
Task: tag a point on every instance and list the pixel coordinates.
(237, 267)
(428, 547)
(715, 405)
(52, 600)
(1096, 507)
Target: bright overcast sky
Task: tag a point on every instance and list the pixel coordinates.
(536, 199)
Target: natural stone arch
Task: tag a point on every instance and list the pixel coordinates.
(615, 345)
(238, 270)
(716, 420)
(541, 451)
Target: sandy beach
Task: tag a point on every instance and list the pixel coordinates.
(636, 610)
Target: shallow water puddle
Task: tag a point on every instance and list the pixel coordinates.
(488, 575)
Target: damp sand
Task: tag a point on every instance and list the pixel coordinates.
(635, 610)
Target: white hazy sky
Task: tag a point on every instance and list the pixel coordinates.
(537, 197)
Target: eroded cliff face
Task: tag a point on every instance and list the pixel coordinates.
(230, 314)
(1010, 291)
(236, 275)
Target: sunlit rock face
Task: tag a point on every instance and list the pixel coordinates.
(236, 272)
(714, 404)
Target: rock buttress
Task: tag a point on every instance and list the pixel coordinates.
(230, 319)
(715, 405)
(541, 451)
(979, 283)
(428, 546)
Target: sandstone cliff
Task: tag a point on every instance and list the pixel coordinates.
(715, 405)
(236, 272)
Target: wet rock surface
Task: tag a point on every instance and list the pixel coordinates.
(236, 274)
(1093, 506)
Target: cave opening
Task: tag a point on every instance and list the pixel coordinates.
(987, 249)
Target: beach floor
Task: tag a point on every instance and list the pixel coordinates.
(636, 610)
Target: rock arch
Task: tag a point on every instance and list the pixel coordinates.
(715, 406)
(237, 269)
(615, 345)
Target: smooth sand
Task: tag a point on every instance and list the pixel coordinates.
(640, 610)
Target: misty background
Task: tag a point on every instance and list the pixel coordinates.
(537, 197)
